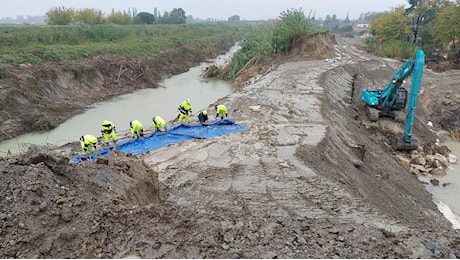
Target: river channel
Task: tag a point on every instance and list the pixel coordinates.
(141, 105)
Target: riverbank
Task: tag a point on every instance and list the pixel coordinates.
(142, 105)
(40, 97)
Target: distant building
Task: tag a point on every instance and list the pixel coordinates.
(362, 25)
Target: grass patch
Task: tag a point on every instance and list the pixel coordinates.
(41, 44)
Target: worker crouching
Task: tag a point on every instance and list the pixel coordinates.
(137, 129)
(88, 143)
(108, 132)
(159, 124)
(203, 117)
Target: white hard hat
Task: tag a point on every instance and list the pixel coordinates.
(189, 100)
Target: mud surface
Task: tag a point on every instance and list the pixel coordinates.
(312, 178)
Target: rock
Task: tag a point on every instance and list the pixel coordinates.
(419, 168)
(452, 159)
(140, 245)
(404, 161)
(419, 160)
(43, 206)
(255, 108)
(21, 224)
(102, 177)
(284, 165)
(434, 182)
(414, 171)
(439, 171)
(102, 160)
(442, 160)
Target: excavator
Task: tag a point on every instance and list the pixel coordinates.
(391, 101)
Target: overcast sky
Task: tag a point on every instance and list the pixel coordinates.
(220, 9)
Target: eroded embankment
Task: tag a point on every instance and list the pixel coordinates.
(40, 97)
(355, 153)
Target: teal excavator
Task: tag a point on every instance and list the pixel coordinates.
(391, 101)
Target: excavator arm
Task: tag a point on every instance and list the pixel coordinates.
(407, 143)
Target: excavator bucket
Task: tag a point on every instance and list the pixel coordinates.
(402, 145)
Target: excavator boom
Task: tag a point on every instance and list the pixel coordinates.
(407, 142)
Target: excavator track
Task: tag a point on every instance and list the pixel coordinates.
(400, 116)
(373, 114)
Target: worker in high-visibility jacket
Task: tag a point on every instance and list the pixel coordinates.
(88, 143)
(221, 111)
(137, 129)
(159, 123)
(185, 110)
(108, 131)
(203, 117)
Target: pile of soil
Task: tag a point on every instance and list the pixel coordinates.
(312, 178)
(51, 207)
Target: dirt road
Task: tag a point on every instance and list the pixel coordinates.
(312, 178)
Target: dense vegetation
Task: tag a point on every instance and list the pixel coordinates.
(40, 44)
(270, 39)
(72, 16)
(431, 25)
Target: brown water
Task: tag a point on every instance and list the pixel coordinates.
(141, 105)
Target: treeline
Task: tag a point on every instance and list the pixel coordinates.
(433, 26)
(71, 16)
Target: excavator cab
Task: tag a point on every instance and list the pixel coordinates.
(401, 99)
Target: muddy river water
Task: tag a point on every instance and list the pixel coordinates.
(447, 194)
(140, 105)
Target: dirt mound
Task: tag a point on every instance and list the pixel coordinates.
(316, 46)
(52, 208)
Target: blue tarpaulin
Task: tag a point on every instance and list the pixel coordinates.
(174, 135)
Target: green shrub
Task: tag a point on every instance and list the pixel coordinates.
(396, 49)
(270, 39)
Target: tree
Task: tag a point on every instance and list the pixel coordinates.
(177, 16)
(144, 18)
(118, 17)
(234, 18)
(447, 25)
(60, 16)
(331, 21)
(347, 19)
(422, 12)
(392, 25)
(89, 16)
